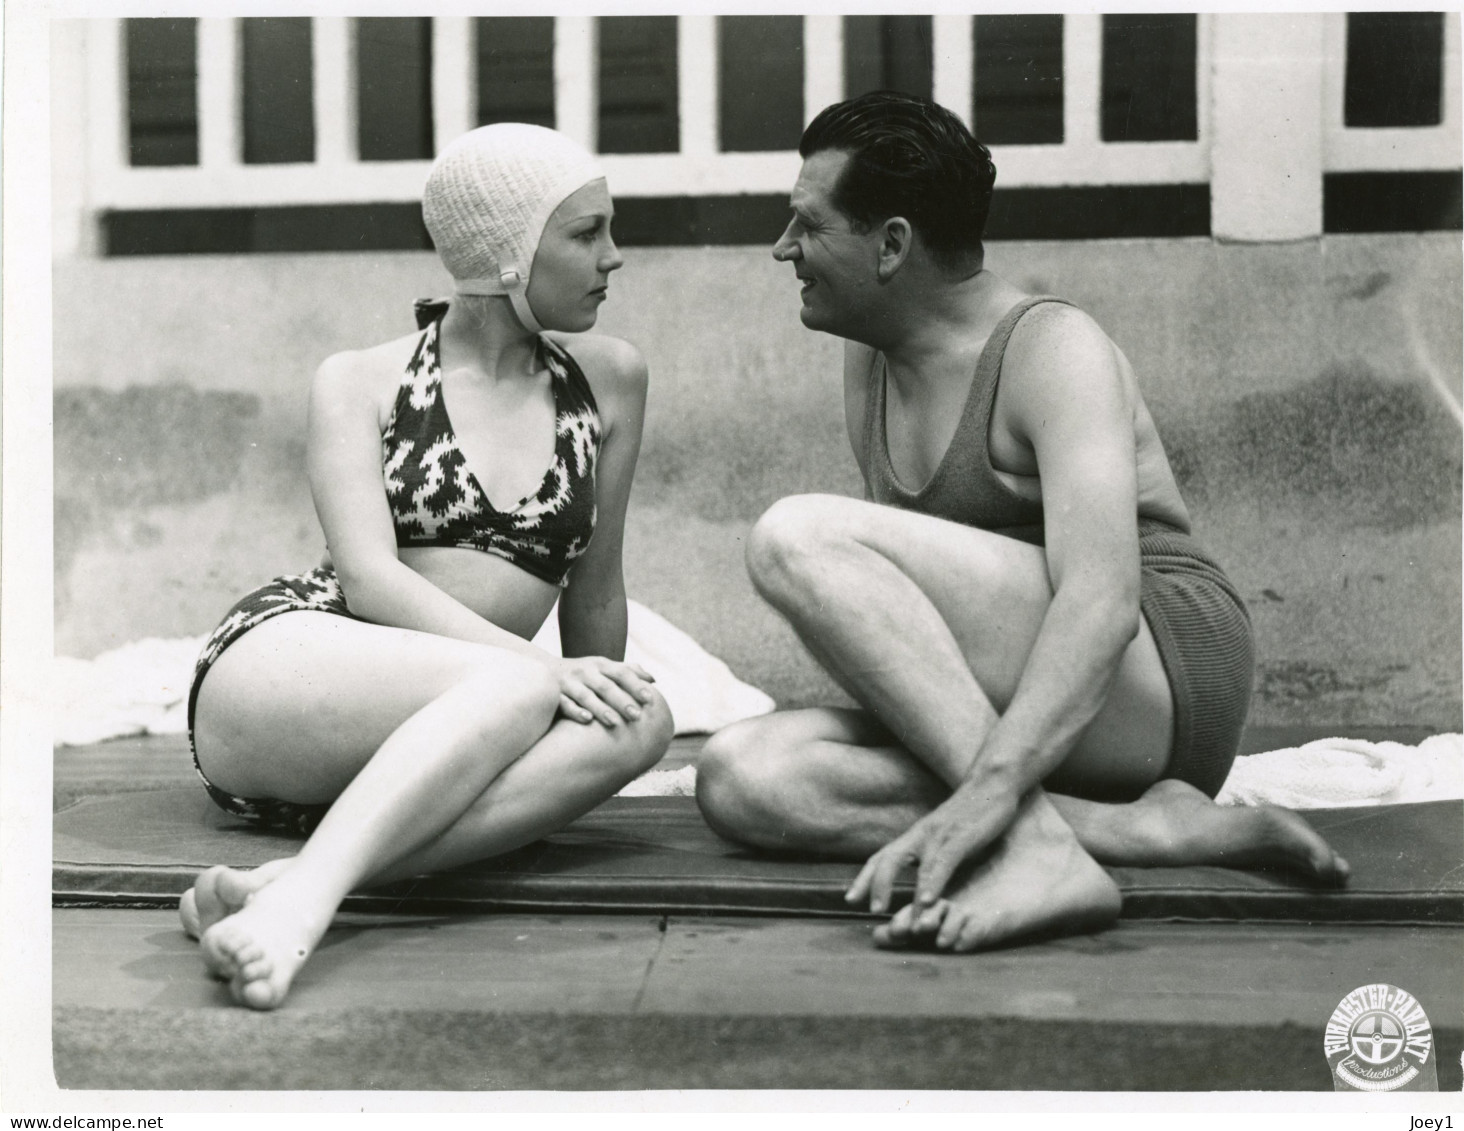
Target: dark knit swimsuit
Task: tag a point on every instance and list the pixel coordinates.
(1199, 622)
(435, 500)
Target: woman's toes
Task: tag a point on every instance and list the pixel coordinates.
(256, 994)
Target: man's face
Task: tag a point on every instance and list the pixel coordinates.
(835, 263)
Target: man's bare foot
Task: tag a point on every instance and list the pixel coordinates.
(221, 891)
(260, 948)
(1037, 881)
(1175, 824)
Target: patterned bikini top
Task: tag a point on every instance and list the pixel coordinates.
(436, 500)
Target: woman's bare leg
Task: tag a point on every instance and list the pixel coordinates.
(564, 775)
(406, 731)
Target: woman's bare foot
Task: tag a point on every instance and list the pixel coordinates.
(260, 948)
(1175, 824)
(1037, 880)
(221, 891)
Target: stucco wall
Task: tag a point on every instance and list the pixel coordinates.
(1295, 385)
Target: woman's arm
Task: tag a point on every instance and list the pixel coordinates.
(592, 613)
(1065, 396)
(344, 464)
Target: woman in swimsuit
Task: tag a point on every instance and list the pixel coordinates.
(389, 703)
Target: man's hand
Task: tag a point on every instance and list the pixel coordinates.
(967, 822)
(594, 688)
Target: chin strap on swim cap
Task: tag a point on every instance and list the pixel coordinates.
(509, 283)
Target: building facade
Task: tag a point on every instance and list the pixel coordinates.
(315, 134)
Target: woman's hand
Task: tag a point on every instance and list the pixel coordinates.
(593, 688)
(973, 817)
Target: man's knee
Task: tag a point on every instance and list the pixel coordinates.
(732, 781)
(790, 539)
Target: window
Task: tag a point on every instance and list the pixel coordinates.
(638, 112)
(888, 53)
(760, 82)
(515, 69)
(394, 89)
(162, 92)
(1018, 80)
(1395, 69)
(278, 99)
(1149, 91)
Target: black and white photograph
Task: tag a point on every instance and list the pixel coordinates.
(667, 558)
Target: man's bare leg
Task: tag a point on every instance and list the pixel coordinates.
(831, 782)
(1036, 880)
(929, 625)
(1172, 824)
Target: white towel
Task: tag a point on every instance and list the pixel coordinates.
(663, 783)
(1337, 773)
(142, 687)
(139, 688)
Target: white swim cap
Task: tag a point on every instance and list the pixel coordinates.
(487, 199)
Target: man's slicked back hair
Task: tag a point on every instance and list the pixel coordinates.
(910, 157)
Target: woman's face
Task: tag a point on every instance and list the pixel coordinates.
(573, 262)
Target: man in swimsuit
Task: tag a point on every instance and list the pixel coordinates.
(1049, 672)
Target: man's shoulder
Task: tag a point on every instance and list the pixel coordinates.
(1047, 330)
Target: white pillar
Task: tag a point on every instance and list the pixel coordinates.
(696, 85)
(335, 90)
(454, 79)
(106, 92)
(218, 94)
(954, 66)
(823, 63)
(1082, 80)
(1266, 155)
(71, 228)
(575, 70)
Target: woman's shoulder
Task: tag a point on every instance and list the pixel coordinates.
(373, 373)
(613, 367)
(378, 361)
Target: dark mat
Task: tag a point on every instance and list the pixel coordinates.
(655, 854)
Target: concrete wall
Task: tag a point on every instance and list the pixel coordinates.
(1303, 390)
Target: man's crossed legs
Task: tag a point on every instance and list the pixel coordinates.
(928, 625)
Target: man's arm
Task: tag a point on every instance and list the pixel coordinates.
(1064, 395)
